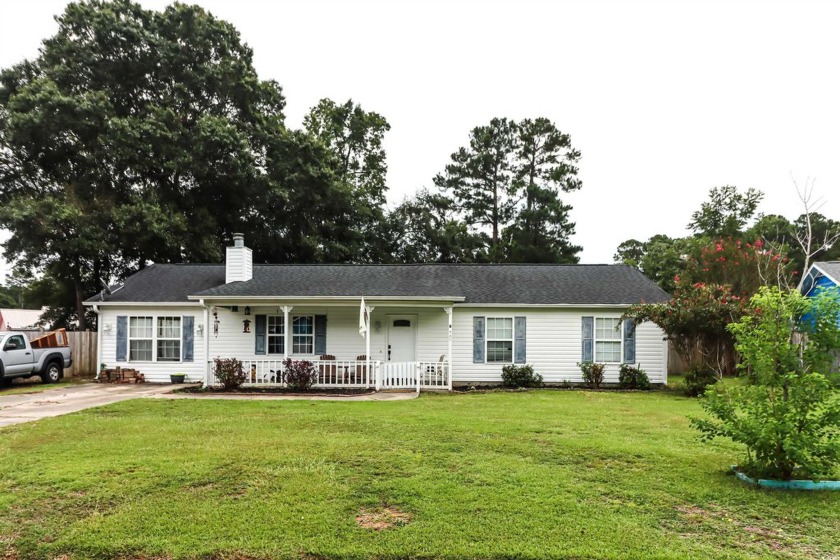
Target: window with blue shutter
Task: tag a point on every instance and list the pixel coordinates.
(587, 343)
(320, 335)
(122, 338)
(519, 355)
(188, 338)
(259, 334)
(478, 340)
(629, 341)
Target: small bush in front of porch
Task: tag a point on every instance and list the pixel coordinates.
(593, 374)
(300, 375)
(520, 376)
(631, 377)
(229, 373)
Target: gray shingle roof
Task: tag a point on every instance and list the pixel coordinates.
(166, 283)
(832, 268)
(476, 283)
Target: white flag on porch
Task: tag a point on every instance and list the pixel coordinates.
(363, 327)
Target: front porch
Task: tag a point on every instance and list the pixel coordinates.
(351, 374)
(389, 345)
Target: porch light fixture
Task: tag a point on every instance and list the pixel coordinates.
(246, 326)
(247, 310)
(200, 330)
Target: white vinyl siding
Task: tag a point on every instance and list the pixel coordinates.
(554, 341)
(608, 340)
(499, 340)
(154, 371)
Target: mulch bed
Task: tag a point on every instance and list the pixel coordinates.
(275, 391)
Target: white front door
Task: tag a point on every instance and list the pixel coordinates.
(402, 337)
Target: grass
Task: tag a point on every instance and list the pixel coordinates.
(34, 385)
(525, 474)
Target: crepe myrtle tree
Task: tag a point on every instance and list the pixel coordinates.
(787, 411)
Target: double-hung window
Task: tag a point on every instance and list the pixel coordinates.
(169, 339)
(140, 339)
(607, 339)
(154, 339)
(276, 335)
(499, 340)
(303, 334)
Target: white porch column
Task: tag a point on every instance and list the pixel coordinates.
(449, 347)
(286, 331)
(369, 310)
(205, 331)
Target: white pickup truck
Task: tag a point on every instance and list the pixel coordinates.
(19, 359)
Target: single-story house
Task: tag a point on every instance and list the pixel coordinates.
(381, 326)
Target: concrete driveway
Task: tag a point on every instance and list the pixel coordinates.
(16, 409)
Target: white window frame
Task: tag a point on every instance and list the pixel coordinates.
(292, 335)
(155, 339)
(487, 340)
(129, 338)
(282, 335)
(596, 340)
(179, 338)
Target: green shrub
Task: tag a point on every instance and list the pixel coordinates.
(300, 375)
(788, 414)
(697, 379)
(630, 377)
(520, 376)
(593, 373)
(229, 373)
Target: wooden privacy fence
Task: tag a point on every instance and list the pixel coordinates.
(83, 349)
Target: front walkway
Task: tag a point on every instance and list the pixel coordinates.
(27, 407)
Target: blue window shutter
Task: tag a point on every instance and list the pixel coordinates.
(587, 334)
(188, 338)
(320, 335)
(122, 338)
(629, 341)
(519, 340)
(478, 340)
(259, 334)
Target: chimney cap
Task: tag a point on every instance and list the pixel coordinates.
(238, 239)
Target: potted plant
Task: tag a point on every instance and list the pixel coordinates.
(177, 377)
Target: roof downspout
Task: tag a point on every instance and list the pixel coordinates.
(99, 327)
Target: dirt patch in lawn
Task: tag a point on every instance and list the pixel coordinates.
(381, 518)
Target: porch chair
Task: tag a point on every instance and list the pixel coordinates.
(327, 373)
(361, 370)
(435, 373)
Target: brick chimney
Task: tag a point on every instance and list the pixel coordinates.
(239, 262)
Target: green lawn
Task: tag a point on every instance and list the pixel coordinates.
(536, 474)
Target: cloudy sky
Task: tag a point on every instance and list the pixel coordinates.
(664, 99)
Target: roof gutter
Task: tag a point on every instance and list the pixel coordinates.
(353, 299)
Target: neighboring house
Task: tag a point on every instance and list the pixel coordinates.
(820, 276)
(432, 324)
(21, 319)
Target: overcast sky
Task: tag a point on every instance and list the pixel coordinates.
(664, 99)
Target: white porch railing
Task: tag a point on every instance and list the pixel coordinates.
(415, 375)
(350, 374)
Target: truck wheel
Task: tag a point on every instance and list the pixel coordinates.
(52, 374)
